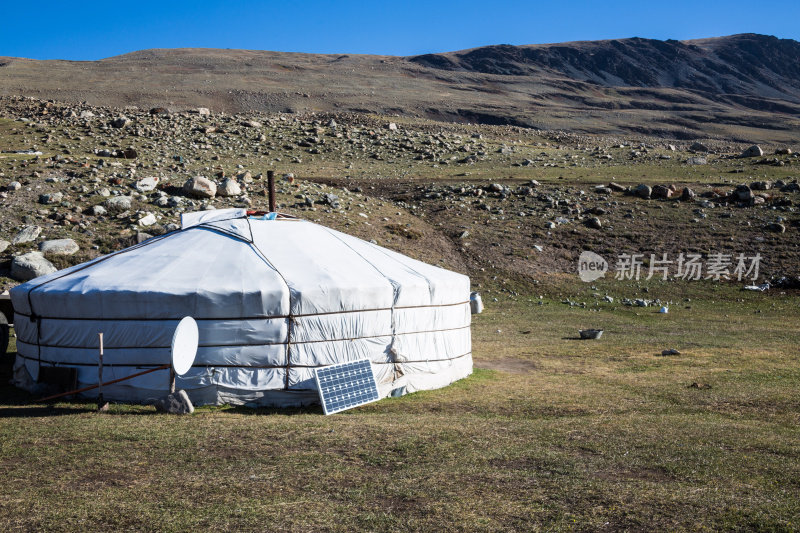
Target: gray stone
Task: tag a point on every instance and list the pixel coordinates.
(148, 220)
(753, 151)
(660, 191)
(743, 193)
(118, 204)
(26, 234)
(775, 227)
(203, 111)
(59, 247)
(86, 114)
(392, 126)
(698, 147)
(229, 187)
(98, 210)
(3, 245)
(51, 198)
(120, 122)
(200, 187)
(177, 403)
(594, 222)
(14, 186)
(687, 194)
(642, 191)
(146, 184)
(31, 265)
(331, 199)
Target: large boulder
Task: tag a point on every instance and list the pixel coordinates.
(642, 191)
(753, 151)
(3, 245)
(698, 147)
(743, 193)
(661, 191)
(118, 204)
(200, 187)
(229, 187)
(59, 247)
(31, 265)
(51, 198)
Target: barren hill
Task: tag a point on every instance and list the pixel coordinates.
(743, 87)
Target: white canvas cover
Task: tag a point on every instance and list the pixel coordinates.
(272, 299)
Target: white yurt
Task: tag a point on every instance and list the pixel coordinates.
(274, 297)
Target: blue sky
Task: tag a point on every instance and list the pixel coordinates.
(94, 30)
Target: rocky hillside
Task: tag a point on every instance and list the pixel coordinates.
(751, 70)
(505, 204)
(743, 88)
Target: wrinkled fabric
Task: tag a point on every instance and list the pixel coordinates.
(273, 299)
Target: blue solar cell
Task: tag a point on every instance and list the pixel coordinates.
(346, 385)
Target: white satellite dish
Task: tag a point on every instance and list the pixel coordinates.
(184, 345)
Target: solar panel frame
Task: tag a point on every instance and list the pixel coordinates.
(346, 385)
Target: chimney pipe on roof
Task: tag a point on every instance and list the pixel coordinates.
(271, 190)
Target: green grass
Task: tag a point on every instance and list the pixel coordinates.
(549, 433)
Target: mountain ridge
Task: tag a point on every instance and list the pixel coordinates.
(745, 86)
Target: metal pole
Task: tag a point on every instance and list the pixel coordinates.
(100, 402)
(171, 380)
(271, 191)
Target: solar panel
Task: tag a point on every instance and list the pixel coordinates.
(346, 385)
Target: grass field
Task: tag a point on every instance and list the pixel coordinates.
(549, 433)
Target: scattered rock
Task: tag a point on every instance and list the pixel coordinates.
(31, 265)
(331, 199)
(3, 245)
(120, 122)
(98, 210)
(200, 187)
(783, 151)
(59, 247)
(118, 204)
(146, 184)
(775, 227)
(699, 385)
(660, 191)
(743, 193)
(203, 111)
(148, 220)
(687, 194)
(26, 234)
(177, 403)
(51, 198)
(698, 147)
(14, 186)
(229, 187)
(642, 191)
(671, 351)
(753, 151)
(594, 223)
(392, 126)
